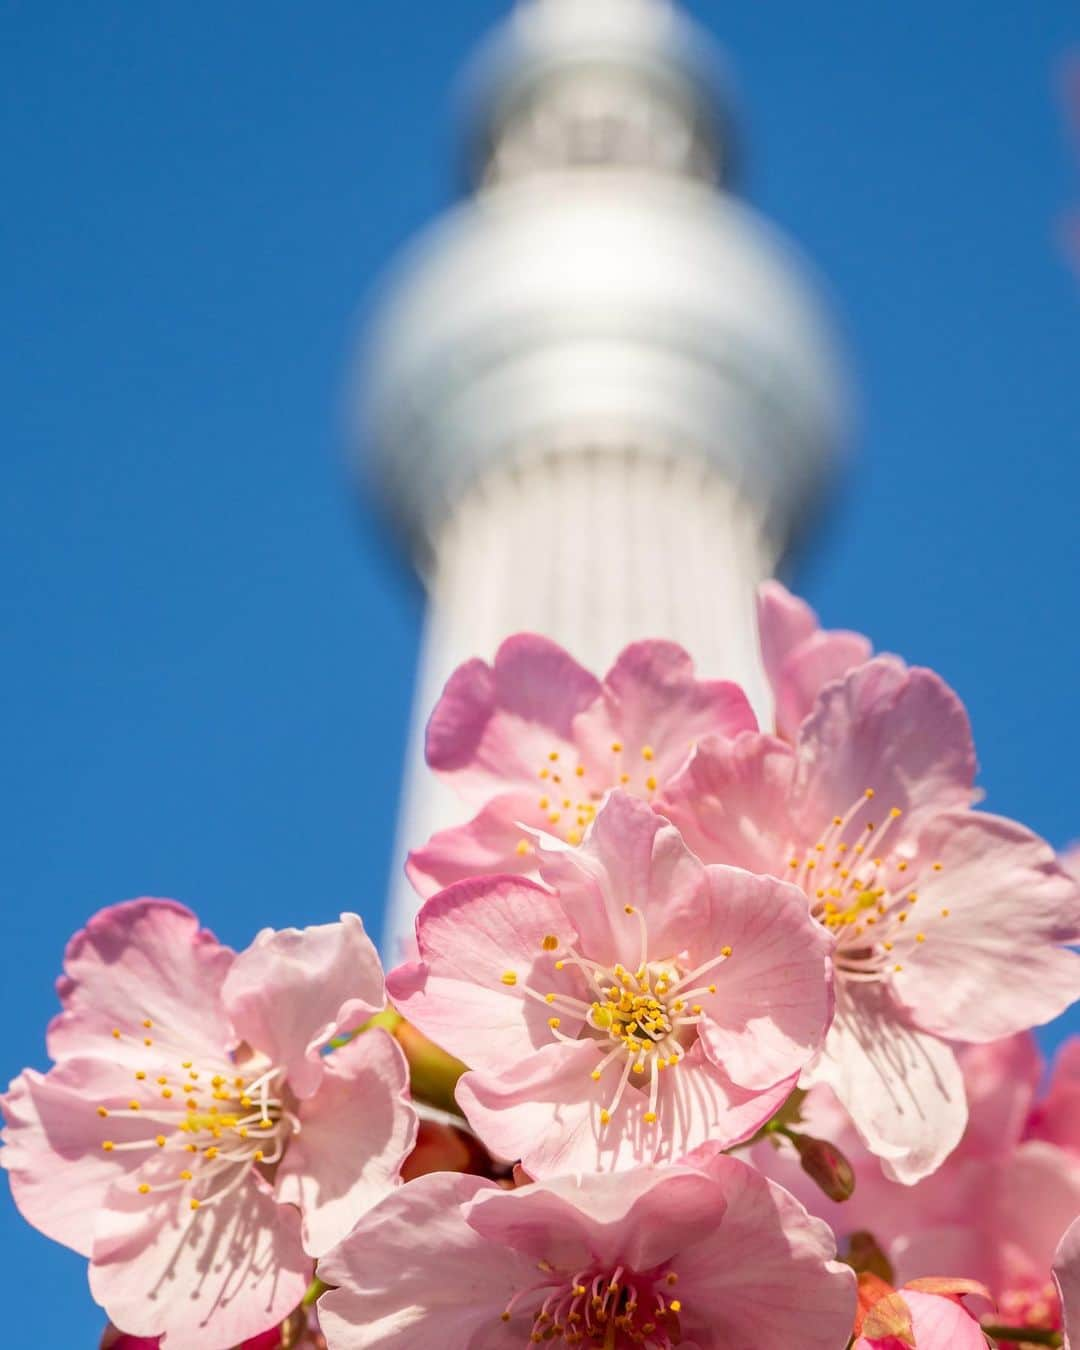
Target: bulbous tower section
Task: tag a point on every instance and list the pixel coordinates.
(601, 395)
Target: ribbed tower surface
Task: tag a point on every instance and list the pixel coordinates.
(601, 396)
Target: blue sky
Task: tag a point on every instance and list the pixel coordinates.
(210, 644)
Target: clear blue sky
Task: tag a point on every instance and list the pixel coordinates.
(210, 647)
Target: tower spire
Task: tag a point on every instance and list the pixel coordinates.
(600, 395)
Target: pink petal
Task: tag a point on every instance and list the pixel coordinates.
(355, 1133)
(784, 621)
(631, 856)
(470, 937)
(811, 666)
(294, 989)
(202, 1281)
(774, 1001)
(414, 1276)
(491, 842)
(901, 732)
(53, 1151)
(638, 1219)
(764, 1275)
(902, 1087)
(992, 919)
(800, 658)
(495, 726)
(653, 702)
(1057, 1117)
(143, 961)
(731, 801)
(1001, 1079)
(1067, 1278)
(546, 1111)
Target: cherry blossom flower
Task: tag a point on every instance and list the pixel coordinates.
(927, 1314)
(996, 1209)
(709, 1256)
(947, 923)
(535, 740)
(191, 1138)
(801, 657)
(634, 1006)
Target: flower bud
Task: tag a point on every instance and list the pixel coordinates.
(825, 1164)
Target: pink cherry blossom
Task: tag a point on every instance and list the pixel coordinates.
(191, 1139)
(923, 1317)
(995, 1210)
(800, 657)
(711, 1256)
(535, 740)
(932, 906)
(630, 1008)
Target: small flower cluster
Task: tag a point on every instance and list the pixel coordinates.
(718, 1038)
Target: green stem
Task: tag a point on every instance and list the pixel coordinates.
(315, 1288)
(1023, 1335)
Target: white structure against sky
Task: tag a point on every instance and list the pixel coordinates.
(599, 397)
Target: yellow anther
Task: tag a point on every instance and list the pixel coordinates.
(545, 802)
(102, 1112)
(725, 951)
(628, 909)
(147, 1023)
(605, 1117)
(133, 1104)
(522, 848)
(166, 1092)
(650, 783)
(140, 1074)
(509, 977)
(898, 968)
(595, 1075)
(869, 794)
(553, 755)
(920, 937)
(554, 1022)
(675, 1305)
(108, 1145)
(937, 867)
(944, 913)
(580, 770)
(116, 1033)
(185, 1175)
(162, 1081)
(543, 773)
(895, 812)
(160, 1141)
(793, 862)
(624, 778)
(212, 1151)
(616, 746)
(559, 965)
(671, 1277)
(554, 817)
(901, 866)
(194, 1204)
(186, 1064)
(573, 837)
(647, 752)
(712, 988)
(147, 1041)
(144, 1189)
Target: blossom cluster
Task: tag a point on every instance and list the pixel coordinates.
(712, 1037)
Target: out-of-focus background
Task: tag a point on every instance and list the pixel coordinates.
(209, 644)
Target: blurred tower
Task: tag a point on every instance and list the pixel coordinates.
(599, 397)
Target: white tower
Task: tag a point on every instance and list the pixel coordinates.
(599, 397)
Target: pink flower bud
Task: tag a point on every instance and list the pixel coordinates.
(826, 1165)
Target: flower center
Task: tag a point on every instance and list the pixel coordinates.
(857, 886)
(216, 1121)
(648, 1016)
(612, 1309)
(1036, 1306)
(572, 793)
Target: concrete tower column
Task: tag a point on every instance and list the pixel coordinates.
(600, 396)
